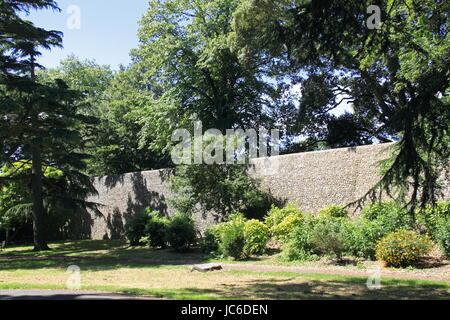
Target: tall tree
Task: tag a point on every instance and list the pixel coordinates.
(187, 72)
(185, 61)
(116, 99)
(39, 123)
(396, 76)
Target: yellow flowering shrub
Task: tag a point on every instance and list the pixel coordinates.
(283, 230)
(276, 215)
(402, 248)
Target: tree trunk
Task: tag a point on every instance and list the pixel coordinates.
(37, 187)
(7, 237)
(38, 202)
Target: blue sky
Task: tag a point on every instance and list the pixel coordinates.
(107, 33)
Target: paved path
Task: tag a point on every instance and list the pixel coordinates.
(64, 295)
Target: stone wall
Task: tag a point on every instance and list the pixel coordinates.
(312, 180)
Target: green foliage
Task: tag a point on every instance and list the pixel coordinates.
(233, 241)
(396, 78)
(300, 245)
(377, 221)
(63, 214)
(276, 215)
(232, 237)
(332, 233)
(211, 241)
(222, 189)
(184, 58)
(436, 220)
(135, 227)
(156, 230)
(115, 98)
(40, 120)
(402, 248)
(442, 234)
(282, 231)
(181, 233)
(362, 236)
(328, 237)
(379, 209)
(431, 216)
(256, 235)
(333, 212)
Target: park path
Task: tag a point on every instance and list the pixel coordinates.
(64, 295)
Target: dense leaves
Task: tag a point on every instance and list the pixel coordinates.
(395, 77)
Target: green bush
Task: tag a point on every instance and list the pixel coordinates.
(232, 241)
(156, 231)
(256, 235)
(377, 221)
(328, 237)
(436, 220)
(432, 216)
(333, 212)
(380, 209)
(441, 234)
(362, 235)
(402, 248)
(282, 231)
(300, 246)
(211, 241)
(276, 215)
(135, 226)
(181, 232)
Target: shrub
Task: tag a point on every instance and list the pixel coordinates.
(333, 212)
(211, 240)
(256, 235)
(135, 226)
(156, 231)
(232, 241)
(380, 209)
(300, 247)
(402, 248)
(362, 235)
(377, 221)
(441, 234)
(181, 232)
(432, 216)
(282, 231)
(277, 215)
(328, 237)
(436, 220)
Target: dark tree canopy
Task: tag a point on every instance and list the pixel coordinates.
(396, 77)
(39, 124)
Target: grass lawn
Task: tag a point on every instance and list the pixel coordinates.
(112, 266)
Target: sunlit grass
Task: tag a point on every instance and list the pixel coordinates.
(165, 274)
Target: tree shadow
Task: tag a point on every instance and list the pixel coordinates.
(139, 198)
(335, 290)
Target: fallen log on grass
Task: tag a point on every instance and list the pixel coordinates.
(206, 267)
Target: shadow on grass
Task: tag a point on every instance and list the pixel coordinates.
(63, 248)
(114, 258)
(334, 290)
